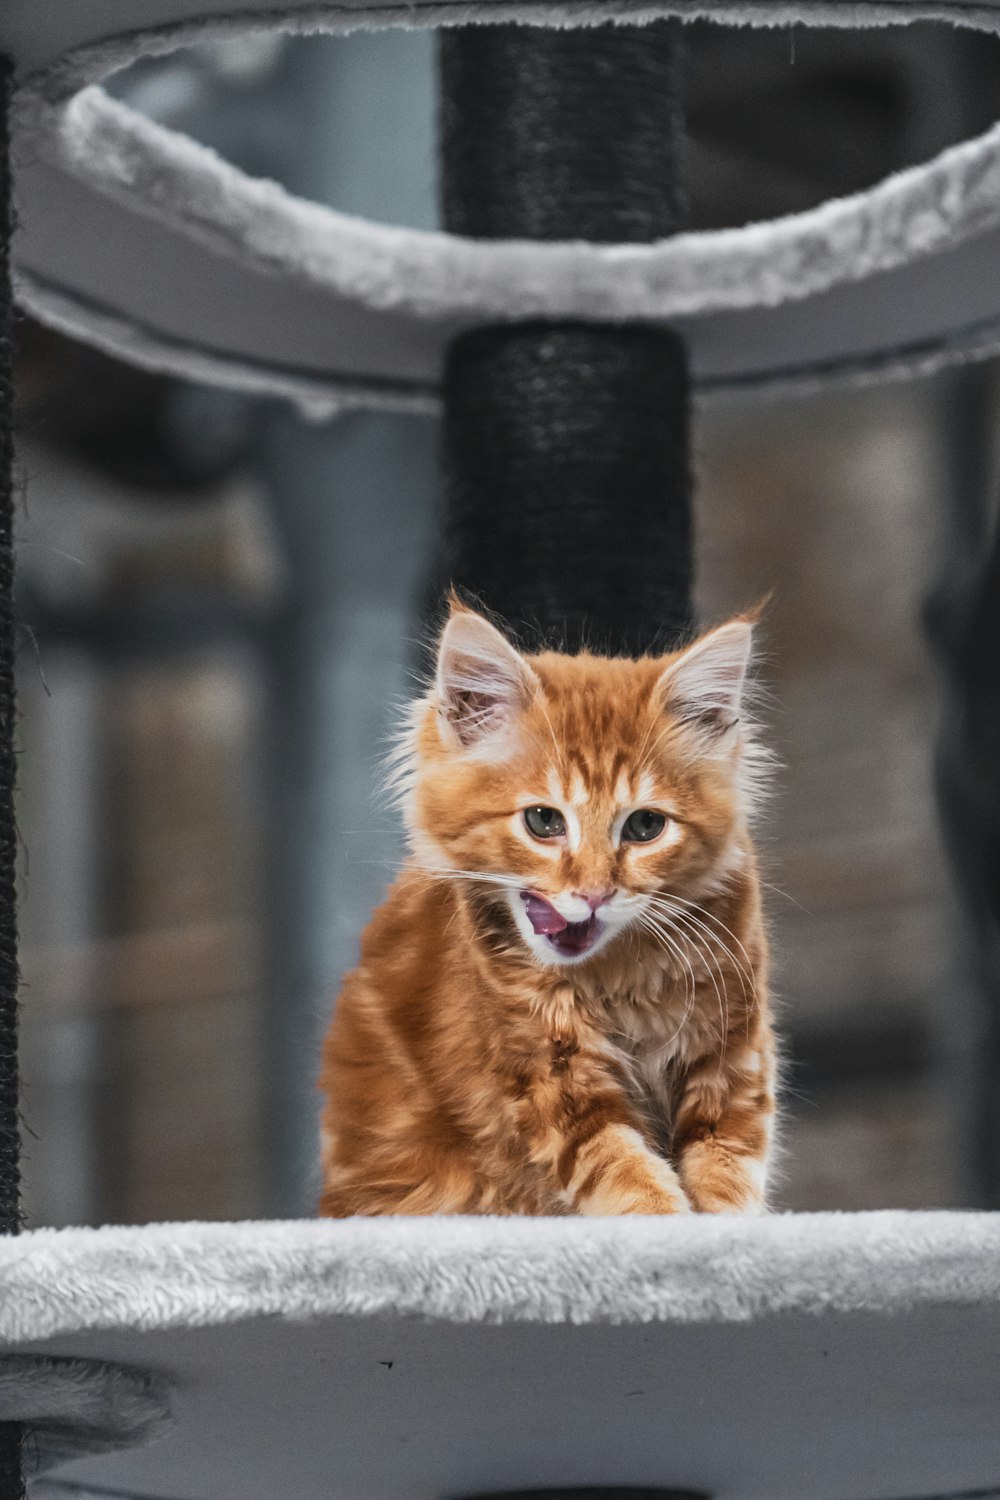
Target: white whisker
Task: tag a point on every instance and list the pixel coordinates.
(708, 942)
(712, 967)
(552, 733)
(640, 763)
(692, 993)
(657, 930)
(704, 911)
(669, 728)
(673, 903)
(784, 894)
(442, 872)
(744, 978)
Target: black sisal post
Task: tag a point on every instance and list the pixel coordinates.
(11, 1479)
(566, 444)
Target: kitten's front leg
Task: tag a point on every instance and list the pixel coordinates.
(613, 1171)
(722, 1130)
(586, 1132)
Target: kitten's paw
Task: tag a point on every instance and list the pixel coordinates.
(717, 1181)
(658, 1202)
(652, 1202)
(658, 1199)
(749, 1210)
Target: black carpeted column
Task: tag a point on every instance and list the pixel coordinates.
(11, 1482)
(566, 444)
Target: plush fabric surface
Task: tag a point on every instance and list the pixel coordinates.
(630, 1270)
(180, 183)
(366, 1359)
(363, 310)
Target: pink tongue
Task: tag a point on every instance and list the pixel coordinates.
(543, 917)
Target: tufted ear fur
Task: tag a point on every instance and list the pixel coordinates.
(703, 687)
(482, 682)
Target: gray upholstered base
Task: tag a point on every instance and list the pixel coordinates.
(843, 1357)
(76, 1406)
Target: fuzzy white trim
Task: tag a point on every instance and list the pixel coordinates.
(485, 1270)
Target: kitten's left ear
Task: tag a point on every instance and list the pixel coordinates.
(482, 682)
(703, 688)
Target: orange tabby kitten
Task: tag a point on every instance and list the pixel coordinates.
(562, 1005)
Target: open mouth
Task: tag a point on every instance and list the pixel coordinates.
(568, 938)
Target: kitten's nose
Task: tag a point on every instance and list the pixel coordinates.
(594, 899)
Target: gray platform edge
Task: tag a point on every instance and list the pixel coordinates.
(54, 1490)
(318, 399)
(699, 1269)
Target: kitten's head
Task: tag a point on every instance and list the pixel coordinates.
(579, 790)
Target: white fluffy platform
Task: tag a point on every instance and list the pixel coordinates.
(152, 247)
(834, 1357)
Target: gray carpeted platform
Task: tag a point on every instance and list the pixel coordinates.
(839, 1357)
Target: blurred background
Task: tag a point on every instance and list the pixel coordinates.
(223, 605)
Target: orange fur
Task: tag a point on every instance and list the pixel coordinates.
(475, 1066)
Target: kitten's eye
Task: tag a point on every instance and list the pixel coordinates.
(642, 826)
(545, 822)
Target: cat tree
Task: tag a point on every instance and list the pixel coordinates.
(561, 321)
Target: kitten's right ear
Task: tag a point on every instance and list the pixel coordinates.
(482, 682)
(703, 685)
